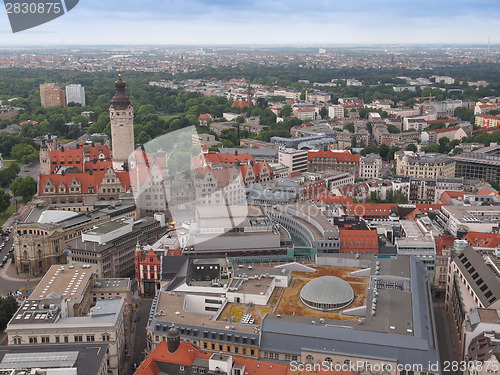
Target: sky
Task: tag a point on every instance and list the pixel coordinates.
(260, 22)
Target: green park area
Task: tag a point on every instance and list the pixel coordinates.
(6, 214)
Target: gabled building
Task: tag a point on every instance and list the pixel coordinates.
(83, 187)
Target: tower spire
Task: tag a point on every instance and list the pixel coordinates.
(120, 100)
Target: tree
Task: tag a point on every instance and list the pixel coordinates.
(25, 187)
(399, 197)
(7, 175)
(464, 114)
(374, 197)
(392, 129)
(373, 149)
(392, 151)
(349, 127)
(444, 145)
(323, 112)
(4, 200)
(21, 150)
(383, 150)
(354, 142)
(286, 111)
(412, 147)
(8, 307)
(495, 185)
(433, 147)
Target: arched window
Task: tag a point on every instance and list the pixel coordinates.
(25, 254)
(39, 254)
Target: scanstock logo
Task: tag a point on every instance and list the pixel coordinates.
(26, 14)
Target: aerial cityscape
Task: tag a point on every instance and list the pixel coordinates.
(207, 187)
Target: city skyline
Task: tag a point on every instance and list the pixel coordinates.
(221, 22)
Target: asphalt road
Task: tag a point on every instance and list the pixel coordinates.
(139, 331)
(443, 336)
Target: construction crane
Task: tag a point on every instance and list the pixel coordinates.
(426, 97)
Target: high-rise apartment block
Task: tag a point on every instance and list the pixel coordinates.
(76, 94)
(51, 95)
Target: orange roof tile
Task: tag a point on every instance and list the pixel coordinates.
(483, 239)
(187, 353)
(425, 208)
(218, 158)
(345, 156)
(85, 179)
(448, 195)
(362, 209)
(75, 156)
(487, 191)
(413, 215)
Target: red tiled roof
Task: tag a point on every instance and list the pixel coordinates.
(487, 191)
(85, 179)
(413, 215)
(363, 209)
(366, 239)
(444, 241)
(491, 117)
(218, 158)
(242, 103)
(483, 239)
(204, 116)
(486, 130)
(425, 208)
(448, 195)
(29, 122)
(443, 130)
(187, 353)
(345, 156)
(76, 156)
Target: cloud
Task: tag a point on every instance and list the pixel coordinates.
(273, 22)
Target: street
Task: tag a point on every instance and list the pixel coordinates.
(443, 336)
(138, 333)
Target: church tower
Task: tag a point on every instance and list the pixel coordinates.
(121, 115)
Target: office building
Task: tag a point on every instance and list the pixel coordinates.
(295, 160)
(61, 310)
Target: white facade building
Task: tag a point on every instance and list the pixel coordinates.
(76, 94)
(335, 111)
(370, 166)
